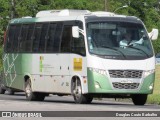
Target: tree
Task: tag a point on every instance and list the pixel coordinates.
(147, 10)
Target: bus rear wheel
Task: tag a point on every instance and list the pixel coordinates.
(10, 91)
(32, 96)
(2, 91)
(139, 99)
(77, 93)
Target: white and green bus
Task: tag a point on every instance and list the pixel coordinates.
(79, 53)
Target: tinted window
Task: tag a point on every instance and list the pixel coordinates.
(118, 40)
(43, 37)
(23, 38)
(36, 37)
(66, 39)
(16, 36)
(51, 35)
(10, 38)
(28, 43)
(78, 45)
(57, 37)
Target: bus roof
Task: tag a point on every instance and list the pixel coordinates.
(66, 15)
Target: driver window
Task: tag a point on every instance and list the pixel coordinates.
(78, 45)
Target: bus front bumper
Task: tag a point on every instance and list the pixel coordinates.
(101, 84)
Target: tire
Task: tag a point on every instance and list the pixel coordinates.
(139, 99)
(32, 96)
(89, 99)
(40, 96)
(77, 93)
(10, 91)
(2, 91)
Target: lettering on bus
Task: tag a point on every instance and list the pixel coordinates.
(77, 65)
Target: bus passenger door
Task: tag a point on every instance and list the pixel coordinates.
(64, 78)
(78, 64)
(64, 83)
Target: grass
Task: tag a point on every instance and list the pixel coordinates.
(155, 97)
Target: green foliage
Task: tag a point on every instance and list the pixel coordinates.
(155, 97)
(1, 52)
(147, 10)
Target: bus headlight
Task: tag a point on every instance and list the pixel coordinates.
(148, 72)
(99, 71)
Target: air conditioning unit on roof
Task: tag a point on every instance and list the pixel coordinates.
(65, 12)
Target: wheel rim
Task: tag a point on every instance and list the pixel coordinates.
(77, 90)
(28, 90)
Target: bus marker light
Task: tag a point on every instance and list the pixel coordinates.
(84, 77)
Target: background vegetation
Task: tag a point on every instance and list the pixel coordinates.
(147, 10)
(155, 97)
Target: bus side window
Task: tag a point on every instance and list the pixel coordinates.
(50, 40)
(28, 44)
(16, 35)
(66, 39)
(23, 37)
(78, 45)
(43, 37)
(57, 37)
(36, 36)
(10, 38)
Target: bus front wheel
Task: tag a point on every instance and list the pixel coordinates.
(77, 93)
(139, 99)
(32, 96)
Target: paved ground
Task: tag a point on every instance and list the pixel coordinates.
(18, 102)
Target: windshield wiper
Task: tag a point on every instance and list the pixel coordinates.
(115, 50)
(131, 46)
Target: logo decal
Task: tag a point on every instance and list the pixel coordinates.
(77, 64)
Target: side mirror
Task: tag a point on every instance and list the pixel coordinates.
(153, 35)
(75, 31)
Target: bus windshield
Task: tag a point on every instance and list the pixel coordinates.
(118, 40)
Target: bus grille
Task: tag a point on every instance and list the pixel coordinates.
(118, 85)
(125, 73)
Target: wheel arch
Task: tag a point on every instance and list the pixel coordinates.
(25, 78)
(83, 85)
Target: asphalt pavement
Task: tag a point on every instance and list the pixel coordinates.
(100, 108)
